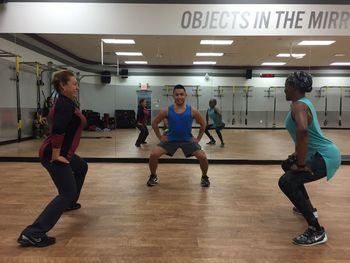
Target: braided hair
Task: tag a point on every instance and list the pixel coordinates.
(302, 80)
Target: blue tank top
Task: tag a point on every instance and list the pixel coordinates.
(317, 142)
(180, 125)
(216, 118)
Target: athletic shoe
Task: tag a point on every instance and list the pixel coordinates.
(222, 145)
(137, 145)
(205, 181)
(311, 237)
(43, 241)
(153, 180)
(73, 207)
(212, 142)
(296, 211)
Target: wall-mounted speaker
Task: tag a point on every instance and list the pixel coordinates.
(248, 73)
(106, 77)
(124, 73)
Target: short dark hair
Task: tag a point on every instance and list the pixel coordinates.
(62, 76)
(301, 80)
(179, 86)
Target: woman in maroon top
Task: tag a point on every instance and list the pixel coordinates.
(142, 116)
(57, 155)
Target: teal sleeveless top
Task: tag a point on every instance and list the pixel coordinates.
(317, 142)
(216, 118)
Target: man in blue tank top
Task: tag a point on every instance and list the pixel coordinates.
(315, 156)
(180, 117)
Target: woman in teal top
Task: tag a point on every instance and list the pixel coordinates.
(315, 156)
(216, 116)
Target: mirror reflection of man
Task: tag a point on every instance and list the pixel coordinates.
(180, 117)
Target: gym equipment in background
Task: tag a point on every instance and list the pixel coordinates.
(196, 94)
(220, 94)
(233, 106)
(168, 92)
(246, 90)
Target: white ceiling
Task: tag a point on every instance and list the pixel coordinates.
(181, 50)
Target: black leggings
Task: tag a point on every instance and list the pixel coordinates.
(218, 132)
(143, 134)
(69, 179)
(292, 185)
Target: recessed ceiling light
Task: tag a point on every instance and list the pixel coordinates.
(204, 62)
(118, 41)
(209, 54)
(339, 55)
(273, 63)
(135, 62)
(129, 53)
(293, 55)
(340, 64)
(316, 42)
(216, 42)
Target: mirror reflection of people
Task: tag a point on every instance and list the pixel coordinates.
(142, 117)
(315, 156)
(215, 115)
(57, 155)
(179, 117)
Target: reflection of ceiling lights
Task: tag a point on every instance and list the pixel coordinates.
(204, 62)
(340, 64)
(339, 55)
(216, 42)
(129, 53)
(209, 54)
(136, 62)
(316, 42)
(273, 63)
(292, 55)
(118, 41)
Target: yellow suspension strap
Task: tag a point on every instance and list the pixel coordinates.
(19, 114)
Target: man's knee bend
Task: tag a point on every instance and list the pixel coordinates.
(202, 156)
(154, 155)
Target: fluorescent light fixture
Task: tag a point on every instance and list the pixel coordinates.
(316, 42)
(209, 54)
(216, 42)
(118, 41)
(339, 55)
(273, 63)
(129, 54)
(136, 62)
(204, 62)
(293, 55)
(340, 64)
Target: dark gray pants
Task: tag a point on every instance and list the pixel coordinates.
(69, 179)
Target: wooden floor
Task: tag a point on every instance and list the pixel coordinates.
(239, 144)
(243, 217)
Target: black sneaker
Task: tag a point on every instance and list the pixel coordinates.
(296, 211)
(205, 181)
(73, 207)
(212, 142)
(153, 180)
(43, 241)
(311, 237)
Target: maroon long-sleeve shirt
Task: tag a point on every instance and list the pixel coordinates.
(66, 124)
